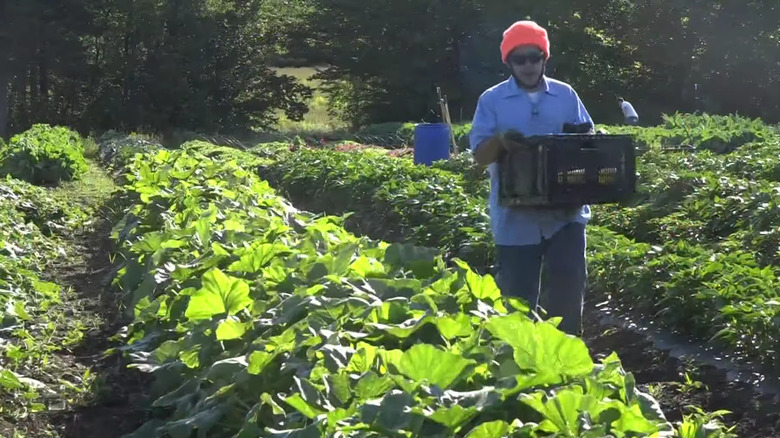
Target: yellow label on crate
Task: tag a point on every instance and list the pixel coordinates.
(577, 176)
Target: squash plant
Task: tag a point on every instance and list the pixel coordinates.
(260, 320)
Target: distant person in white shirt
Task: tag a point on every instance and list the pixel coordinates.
(632, 118)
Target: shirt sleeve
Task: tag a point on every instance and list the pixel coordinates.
(581, 114)
(484, 124)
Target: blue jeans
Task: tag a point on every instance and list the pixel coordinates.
(563, 258)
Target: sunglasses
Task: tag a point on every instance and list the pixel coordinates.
(520, 59)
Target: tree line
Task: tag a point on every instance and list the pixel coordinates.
(207, 65)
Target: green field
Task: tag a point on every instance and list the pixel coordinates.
(251, 315)
(180, 258)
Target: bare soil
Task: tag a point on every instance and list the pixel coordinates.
(113, 405)
(753, 414)
(116, 408)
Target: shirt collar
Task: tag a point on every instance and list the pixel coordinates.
(514, 90)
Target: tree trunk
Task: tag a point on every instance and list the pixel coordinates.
(5, 74)
(4, 113)
(32, 78)
(43, 86)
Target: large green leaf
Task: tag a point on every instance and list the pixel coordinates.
(421, 261)
(371, 385)
(424, 362)
(482, 287)
(258, 360)
(545, 354)
(561, 412)
(227, 370)
(230, 329)
(259, 257)
(492, 429)
(202, 422)
(311, 431)
(453, 417)
(455, 326)
(9, 380)
(219, 294)
(309, 410)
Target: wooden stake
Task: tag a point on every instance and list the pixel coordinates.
(445, 115)
(449, 122)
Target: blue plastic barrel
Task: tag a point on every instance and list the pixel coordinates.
(431, 142)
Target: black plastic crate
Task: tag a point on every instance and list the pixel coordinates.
(568, 170)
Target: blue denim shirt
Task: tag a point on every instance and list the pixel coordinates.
(506, 106)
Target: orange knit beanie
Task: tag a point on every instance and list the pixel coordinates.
(524, 32)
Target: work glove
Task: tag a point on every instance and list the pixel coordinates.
(492, 150)
(512, 138)
(496, 147)
(578, 128)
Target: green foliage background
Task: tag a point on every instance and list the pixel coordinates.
(44, 155)
(208, 65)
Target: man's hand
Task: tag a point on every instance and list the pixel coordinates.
(492, 149)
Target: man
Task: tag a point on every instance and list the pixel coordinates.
(629, 113)
(532, 104)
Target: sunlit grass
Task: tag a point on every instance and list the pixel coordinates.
(316, 120)
(93, 189)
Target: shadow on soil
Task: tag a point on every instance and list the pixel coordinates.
(753, 414)
(115, 409)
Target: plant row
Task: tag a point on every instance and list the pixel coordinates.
(44, 155)
(259, 320)
(720, 212)
(34, 324)
(722, 298)
(25, 298)
(719, 134)
(387, 198)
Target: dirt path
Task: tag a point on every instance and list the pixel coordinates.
(677, 384)
(87, 394)
(113, 408)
